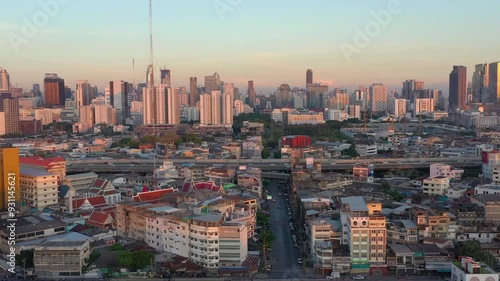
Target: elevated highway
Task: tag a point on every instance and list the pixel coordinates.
(267, 165)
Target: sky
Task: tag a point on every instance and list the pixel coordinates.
(346, 42)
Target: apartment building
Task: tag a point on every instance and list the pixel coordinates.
(322, 235)
(38, 187)
(436, 185)
(444, 170)
(212, 233)
(364, 231)
(434, 224)
(56, 165)
(402, 232)
(363, 172)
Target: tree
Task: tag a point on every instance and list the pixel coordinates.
(267, 237)
(262, 219)
(116, 247)
(265, 154)
(135, 260)
(126, 259)
(25, 259)
(169, 138)
(385, 187)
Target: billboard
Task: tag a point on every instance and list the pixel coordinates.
(484, 157)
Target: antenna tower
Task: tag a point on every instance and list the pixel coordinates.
(152, 82)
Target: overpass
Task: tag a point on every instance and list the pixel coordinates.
(267, 165)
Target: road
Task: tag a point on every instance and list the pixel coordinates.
(283, 255)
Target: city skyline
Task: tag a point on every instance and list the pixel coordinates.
(239, 42)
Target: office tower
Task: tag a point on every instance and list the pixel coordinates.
(252, 96)
(354, 111)
(10, 190)
(458, 88)
(315, 93)
(36, 91)
(67, 93)
(480, 82)
(4, 96)
(494, 82)
(411, 88)
(423, 106)
(284, 96)
(4, 80)
(161, 103)
(378, 97)
(11, 116)
(212, 83)
(118, 93)
(194, 95)
(165, 77)
(432, 94)
(84, 93)
(309, 77)
(104, 114)
(341, 99)
(54, 90)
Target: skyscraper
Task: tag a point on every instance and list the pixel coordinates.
(54, 90)
(212, 83)
(411, 88)
(194, 95)
(165, 77)
(36, 91)
(284, 96)
(458, 88)
(252, 96)
(11, 115)
(494, 82)
(4, 80)
(150, 77)
(309, 77)
(118, 91)
(84, 93)
(216, 109)
(480, 82)
(378, 97)
(10, 189)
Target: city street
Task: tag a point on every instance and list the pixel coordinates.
(283, 255)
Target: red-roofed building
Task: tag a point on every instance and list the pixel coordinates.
(89, 204)
(100, 220)
(152, 196)
(194, 186)
(56, 165)
(102, 187)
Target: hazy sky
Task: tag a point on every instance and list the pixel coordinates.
(268, 41)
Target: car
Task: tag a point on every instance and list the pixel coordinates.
(279, 194)
(358, 277)
(299, 261)
(274, 200)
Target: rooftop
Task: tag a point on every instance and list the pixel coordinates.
(33, 172)
(356, 203)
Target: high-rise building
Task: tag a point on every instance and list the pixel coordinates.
(398, 107)
(165, 77)
(458, 88)
(150, 77)
(284, 96)
(11, 115)
(84, 93)
(378, 97)
(309, 77)
(4, 80)
(10, 189)
(228, 104)
(423, 106)
(87, 115)
(54, 90)
(252, 96)
(118, 91)
(212, 83)
(364, 231)
(174, 106)
(194, 95)
(216, 109)
(36, 91)
(149, 103)
(494, 82)
(411, 88)
(480, 82)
